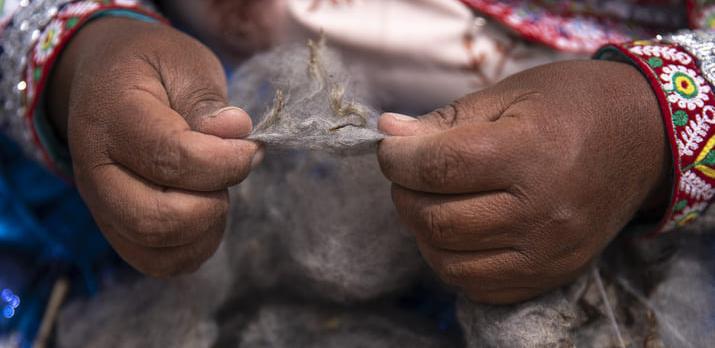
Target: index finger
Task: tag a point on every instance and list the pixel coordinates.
(472, 158)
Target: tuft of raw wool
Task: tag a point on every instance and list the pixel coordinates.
(321, 221)
(147, 312)
(303, 97)
(324, 225)
(542, 322)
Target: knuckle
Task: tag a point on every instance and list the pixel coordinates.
(195, 98)
(440, 160)
(437, 225)
(152, 227)
(448, 116)
(168, 158)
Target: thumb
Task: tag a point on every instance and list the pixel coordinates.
(195, 83)
(206, 110)
(483, 106)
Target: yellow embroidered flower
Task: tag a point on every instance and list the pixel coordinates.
(685, 87)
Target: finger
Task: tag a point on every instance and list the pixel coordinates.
(485, 105)
(494, 276)
(167, 152)
(228, 122)
(473, 158)
(167, 261)
(472, 222)
(149, 215)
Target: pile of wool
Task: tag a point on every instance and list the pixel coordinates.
(317, 214)
(642, 293)
(144, 312)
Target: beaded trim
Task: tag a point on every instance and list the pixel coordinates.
(688, 105)
(31, 42)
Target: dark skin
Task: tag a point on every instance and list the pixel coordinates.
(513, 190)
(510, 191)
(152, 155)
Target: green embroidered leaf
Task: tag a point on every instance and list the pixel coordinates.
(709, 159)
(37, 74)
(680, 118)
(680, 205)
(655, 62)
(71, 22)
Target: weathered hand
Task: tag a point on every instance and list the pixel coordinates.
(513, 190)
(153, 147)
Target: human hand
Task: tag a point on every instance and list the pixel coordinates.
(153, 147)
(513, 190)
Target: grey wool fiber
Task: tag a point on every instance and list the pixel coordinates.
(315, 102)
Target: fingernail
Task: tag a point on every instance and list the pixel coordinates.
(226, 109)
(401, 118)
(258, 157)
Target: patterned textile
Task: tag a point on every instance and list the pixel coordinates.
(584, 26)
(688, 106)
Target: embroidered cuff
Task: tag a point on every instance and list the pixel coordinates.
(688, 106)
(31, 44)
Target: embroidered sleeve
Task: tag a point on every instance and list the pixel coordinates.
(32, 37)
(681, 70)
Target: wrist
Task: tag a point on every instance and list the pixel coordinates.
(85, 46)
(686, 102)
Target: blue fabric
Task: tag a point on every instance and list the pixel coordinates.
(46, 232)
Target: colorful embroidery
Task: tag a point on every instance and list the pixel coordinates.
(576, 30)
(684, 87)
(688, 106)
(50, 40)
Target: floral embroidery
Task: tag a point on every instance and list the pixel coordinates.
(41, 55)
(688, 106)
(685, 87)
(695, 187)
(645, 48)
(693, 132)
(48, 41)
(567, 31)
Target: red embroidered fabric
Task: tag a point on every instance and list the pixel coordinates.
(688, 106)
(44, 52)
(584, 26)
